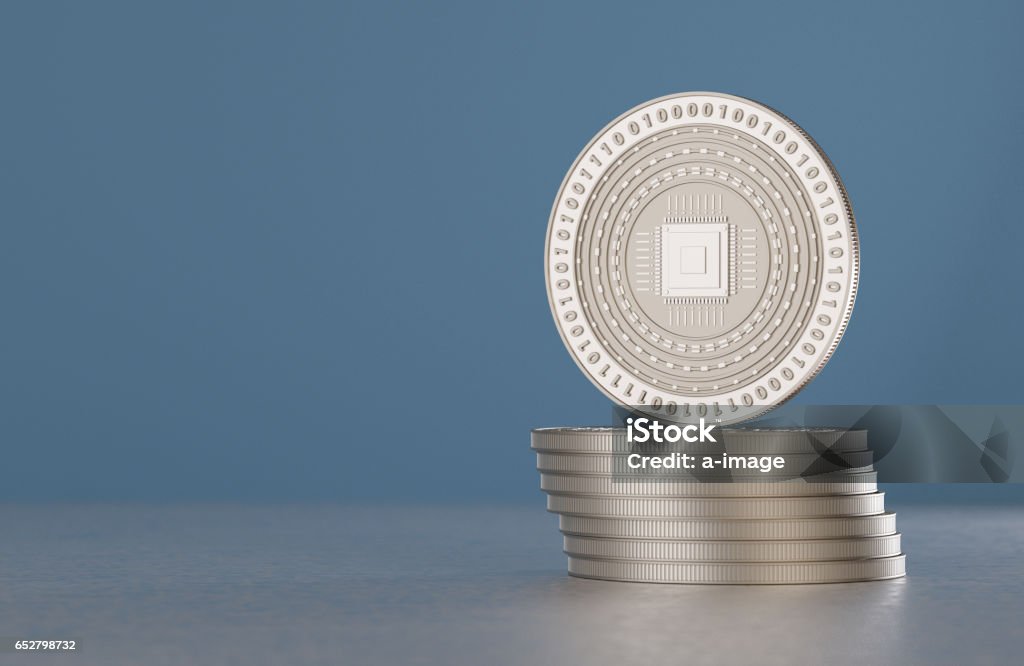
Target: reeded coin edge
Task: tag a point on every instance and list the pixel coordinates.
(740, 573)
(688, 508)
(608, 486)
(687, 550)
(730, 529)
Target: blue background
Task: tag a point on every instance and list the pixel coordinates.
(294, 250)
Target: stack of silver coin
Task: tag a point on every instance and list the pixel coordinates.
(820, 519)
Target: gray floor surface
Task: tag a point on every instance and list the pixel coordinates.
(339, 584)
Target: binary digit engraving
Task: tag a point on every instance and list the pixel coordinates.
(701, 258)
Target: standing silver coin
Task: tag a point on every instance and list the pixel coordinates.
(701, 258)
